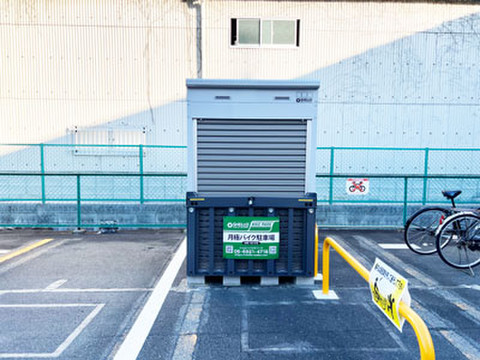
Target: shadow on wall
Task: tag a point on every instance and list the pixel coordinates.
(148, 127)
(418, 91)
(61, 155)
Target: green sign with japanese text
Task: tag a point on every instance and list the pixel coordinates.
(251, 237)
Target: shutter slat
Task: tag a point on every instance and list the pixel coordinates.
(245, 157)
(252, 182)
(253, 171)
(254, 151)
(257, 145)
(246, 165)
(250, 140)
(254, 176)
(242, 134)
(226, 159)
(258, 127)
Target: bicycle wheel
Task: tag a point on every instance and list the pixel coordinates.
(458, 240)
(420, 229)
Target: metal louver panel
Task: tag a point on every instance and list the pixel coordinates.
(205, 222)
(292, 234)
(251, 157)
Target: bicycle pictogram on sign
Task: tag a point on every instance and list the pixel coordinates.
(357, 186)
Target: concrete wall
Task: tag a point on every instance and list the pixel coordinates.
(92, 215)
(152, 215)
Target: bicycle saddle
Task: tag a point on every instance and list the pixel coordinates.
(451, 194)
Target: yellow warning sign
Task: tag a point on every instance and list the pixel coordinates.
(388, 288)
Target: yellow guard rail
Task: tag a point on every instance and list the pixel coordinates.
(427, 352)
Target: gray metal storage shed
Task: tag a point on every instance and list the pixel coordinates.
(251, 156)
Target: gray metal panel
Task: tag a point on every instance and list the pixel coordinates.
(253, 84)
(251, 157)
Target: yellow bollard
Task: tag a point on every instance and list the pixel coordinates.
(425, 342)
(326, 266)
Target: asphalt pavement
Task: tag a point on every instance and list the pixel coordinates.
(76, 296)
(80, 297)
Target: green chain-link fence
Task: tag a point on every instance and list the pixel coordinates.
(103, 174)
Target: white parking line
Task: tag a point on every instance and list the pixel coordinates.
(133, 343)
(415, 273)
(188, 337)
(45, 305)
(2, 251)
(473, 287)
(55, 285)
(66, 343)
(69, 290)
(462, 343)
(472, 313)
(78, 330)
(390, 246)
(468, 349)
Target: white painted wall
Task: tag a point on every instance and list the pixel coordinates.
(119, 64)
(392, 74)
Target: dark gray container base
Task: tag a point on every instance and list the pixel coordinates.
(205, 235)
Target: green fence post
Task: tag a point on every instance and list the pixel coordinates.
(42, 171)
(425, 174)
(332, 169)
(405, 195)
(140, 149)
(79, 211)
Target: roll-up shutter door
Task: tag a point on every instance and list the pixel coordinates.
(251, 157)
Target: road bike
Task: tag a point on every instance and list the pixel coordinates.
(421, 227)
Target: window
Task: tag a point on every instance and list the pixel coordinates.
(265, 32)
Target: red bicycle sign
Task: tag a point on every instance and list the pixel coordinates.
(357, 186)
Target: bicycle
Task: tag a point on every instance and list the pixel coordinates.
(458, 240)
(421, 227)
